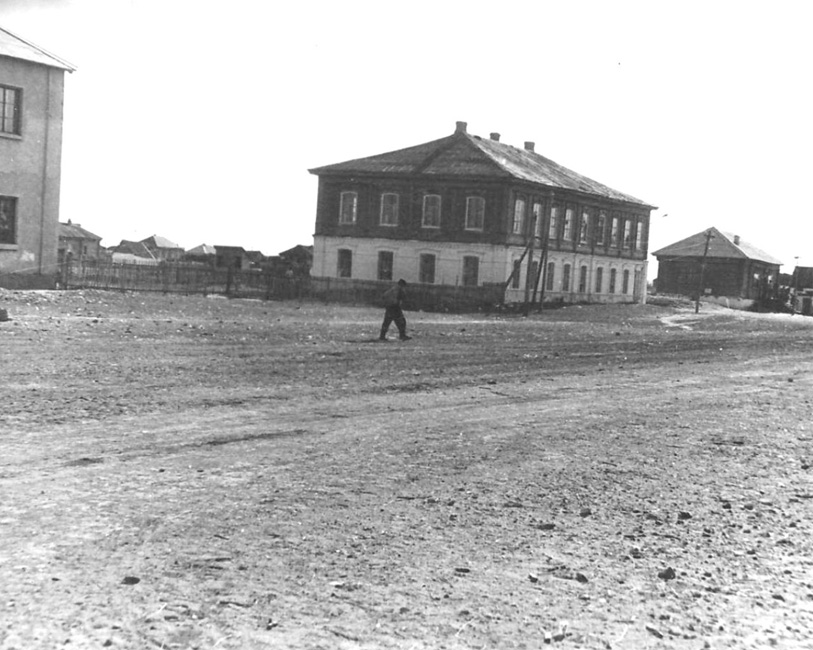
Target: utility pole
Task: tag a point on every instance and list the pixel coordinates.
(795, 284)
(529, 272)
(709, 237)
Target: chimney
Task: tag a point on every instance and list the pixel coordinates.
(529, 146)
(736, 240)
(495, 137)
(460, 127)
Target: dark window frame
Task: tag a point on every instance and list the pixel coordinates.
(8, 220)
(11, 101)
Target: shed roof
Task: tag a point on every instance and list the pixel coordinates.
(464, 155)
(722, 245)
(75, 231)
(17, 47)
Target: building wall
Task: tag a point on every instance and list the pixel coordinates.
(496, 263)
(740, 278)
(30, 171)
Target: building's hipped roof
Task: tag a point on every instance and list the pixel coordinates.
(160, 242)
(15, 47)
(722, 245)
(465, 155)
(138, 248)
(75, 231)
(203, 249)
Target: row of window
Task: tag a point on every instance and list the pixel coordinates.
(593, 226)
(470, 272)
(388, 215)
(8, 220)
(582, 287)
(10, 100)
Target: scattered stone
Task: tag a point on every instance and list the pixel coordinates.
(546, 526)
(3, 315)
(683, 516)
(585, 512)
(654, 631)
(726, 505)
(778, 597)
(533, 577)
(130, 580)
(667, 574)
(462, 570)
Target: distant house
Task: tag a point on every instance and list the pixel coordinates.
(470, 211)
(204, 254)
(298, 259)
(231, 257)
(76, 243)
(730, 267)
(131, 252)
(162, 249)
(31, 98)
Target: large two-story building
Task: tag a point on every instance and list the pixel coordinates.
(31, 94)
(466, 210)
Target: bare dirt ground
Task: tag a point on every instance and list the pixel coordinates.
(184, 472)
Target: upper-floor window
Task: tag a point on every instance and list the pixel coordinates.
(475, 212)
(10, 110)
(389, 209)
(348, 207)
(519, 217)
(584, 227)
(639, 236)
(614, 232)
(8, 220)
(567, 230)
(553, 228)
(601, 226)
(385, 259)
(471, 271)
(538, 219)
(627, 233)
(431, 211)
(344, 263)
(426, 270)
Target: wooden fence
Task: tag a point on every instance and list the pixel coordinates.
(187, 278)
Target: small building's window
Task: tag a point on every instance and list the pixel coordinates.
(584, 227)
(431, 211)
(538, 219)
(601, 226)
(389, 209)
(566, 277)
(599, 279)
(426, 272)
(519, 217)
(612, 280)
(10, 110)
(471, 271)
(583, 279)
(549, 275)
(614, 232)
(475, 212)
(553, 227)
(8, 220)
(515, 274)
(348, 205)
(345, 263)
(385, 265)
(567, 231)
(627, 233)
(625, 282)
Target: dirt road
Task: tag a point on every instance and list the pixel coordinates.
(184, 472)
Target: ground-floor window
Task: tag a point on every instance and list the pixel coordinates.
(599, 279)
(625, 282)
(8, 220)
(471, 270)
(612, 280)
(583, 279)
(345, 263)
(549, 275)
(385, 265)
(515, 274)
(426, 271)
(566, 277)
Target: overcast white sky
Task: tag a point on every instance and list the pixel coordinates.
(197, 120)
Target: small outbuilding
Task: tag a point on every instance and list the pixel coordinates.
(715, 263)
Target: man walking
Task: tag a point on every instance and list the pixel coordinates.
(393, 299)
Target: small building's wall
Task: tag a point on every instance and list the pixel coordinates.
(736, 278)
(30, 171)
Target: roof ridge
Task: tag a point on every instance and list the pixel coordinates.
(64, 62)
